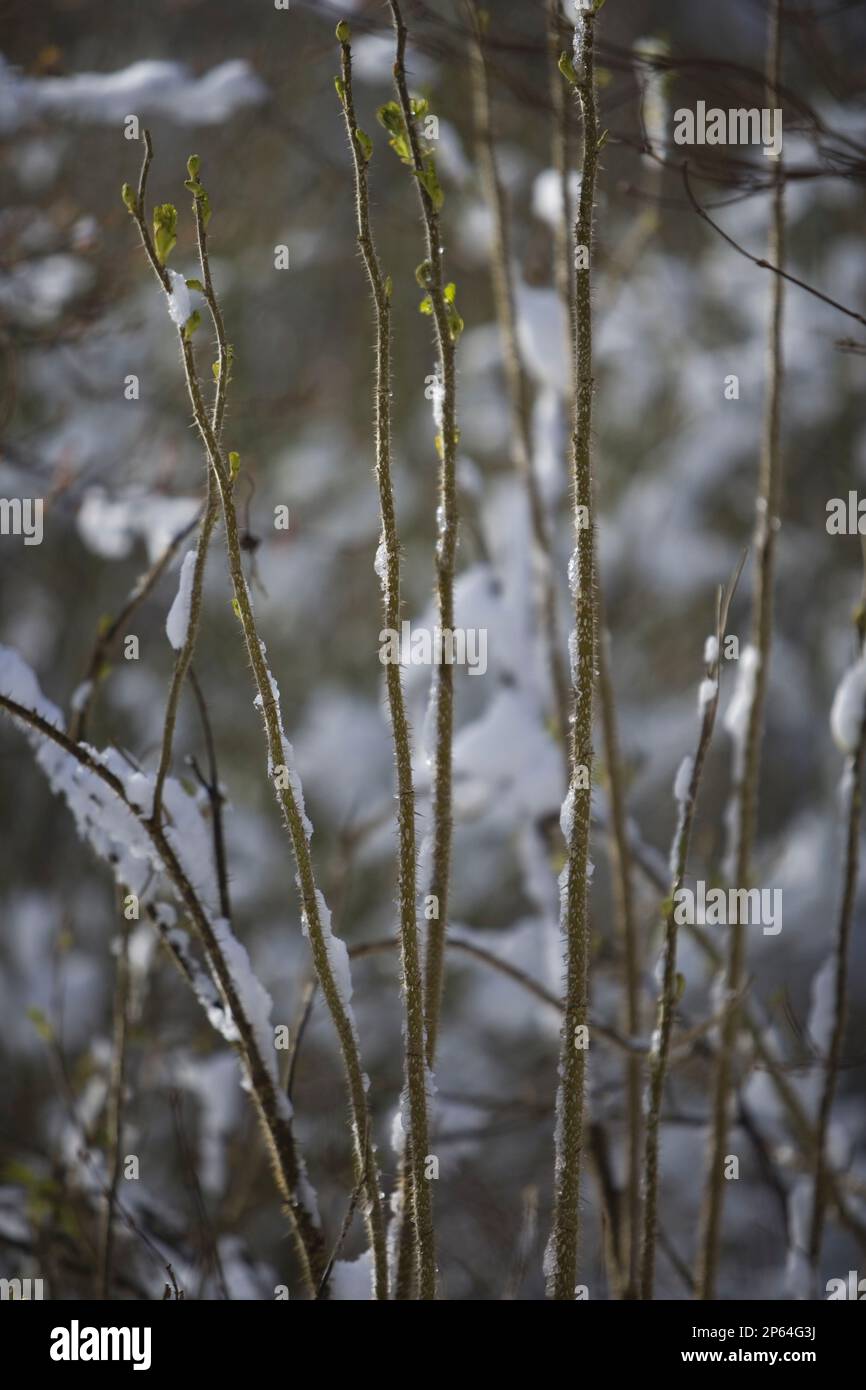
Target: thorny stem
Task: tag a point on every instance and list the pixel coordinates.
(668, 992)
(619, 849)
(833, 1061)
(747, 773)
(412, 981)
(274, 1116)
(446, 550)
(562, 1250)
(515, 375)
(365, 1163)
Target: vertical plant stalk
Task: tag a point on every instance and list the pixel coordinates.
(618, 846)
(114, 1139)
(562, 1250)
(313, 905)
(415, 1066)
(669, 989)
(515, 375)
(747, 774)
(833, 1061)
(620, 866)
(446, 551)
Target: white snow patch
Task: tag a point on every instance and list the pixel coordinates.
(711, 650)
(352, 1280)
(179, 306)
(683, 779)
(707, 692)
(736, 719)
(846, 715)
(177, 622)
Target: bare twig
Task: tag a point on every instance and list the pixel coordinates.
(831, 1064)
(748, 757)
(515, 374)
(668, 992)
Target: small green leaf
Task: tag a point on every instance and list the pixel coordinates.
(234, 463)
(449, 292)
(215, 368)
(365, 143)
(191, 324)
(164, 230)
(391, 117)
(341, 90)
(420, 107)
(424, 274)
(130, 198)
(40, 1023)
(429, 181)
(193, 164)
(426, 305)
(194, 187)
(236, 608)
(343, 31)
(388, 286)
(194, 284)
(566, 67)
(203, 202)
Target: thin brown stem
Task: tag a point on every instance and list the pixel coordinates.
(668, 991)
(748, 757)
(832, 1062)
(446, 551)
(502, 277)
(415, 1068)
